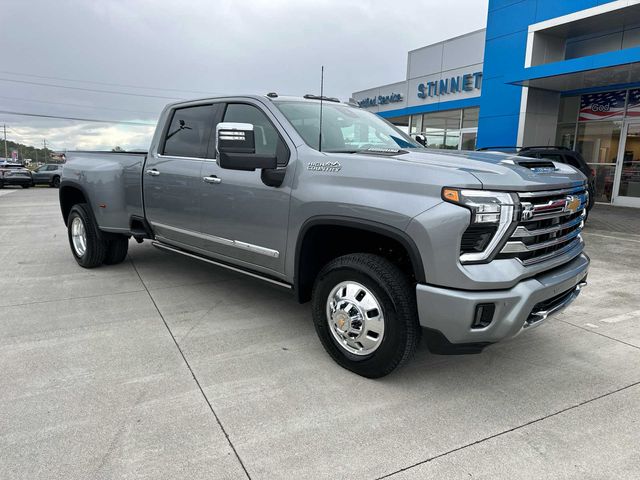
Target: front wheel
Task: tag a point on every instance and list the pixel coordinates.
(364, 312)
(55, 183)
(87, 244)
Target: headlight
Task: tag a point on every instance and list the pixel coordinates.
(492, 213)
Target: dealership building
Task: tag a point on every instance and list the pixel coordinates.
(543, 72)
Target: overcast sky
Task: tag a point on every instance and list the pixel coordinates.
(187, 49)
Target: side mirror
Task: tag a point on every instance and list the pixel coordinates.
(236, 149)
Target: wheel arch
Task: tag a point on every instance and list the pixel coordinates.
(316, 231)
(71, 194)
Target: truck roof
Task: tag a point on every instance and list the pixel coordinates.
(311, 98)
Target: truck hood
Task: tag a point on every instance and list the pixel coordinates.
(501, 171)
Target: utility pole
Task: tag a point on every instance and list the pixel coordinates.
(5, 140)
(44, 143)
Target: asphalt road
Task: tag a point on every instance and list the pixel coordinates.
(163, 367)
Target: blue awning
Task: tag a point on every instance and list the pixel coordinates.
(602, 70)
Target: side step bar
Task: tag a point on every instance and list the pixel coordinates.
(164, 246)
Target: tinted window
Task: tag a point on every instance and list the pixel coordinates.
(189, 131)
(266, 136)
(554, 157)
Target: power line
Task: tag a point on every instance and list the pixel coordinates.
(113, 92)
(105, 83)
(77, 105)
(40, 115)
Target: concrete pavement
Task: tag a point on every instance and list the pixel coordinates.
(163, 367)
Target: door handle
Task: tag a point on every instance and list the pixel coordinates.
(212, 179)
(153, 172)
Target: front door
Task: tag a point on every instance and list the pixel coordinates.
(627, 181)
(172, 177)
(244, 220)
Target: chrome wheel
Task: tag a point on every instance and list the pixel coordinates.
(355, 318)
(78, 236)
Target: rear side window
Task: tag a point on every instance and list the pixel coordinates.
(189, 132)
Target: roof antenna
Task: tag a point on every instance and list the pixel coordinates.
(321, 98)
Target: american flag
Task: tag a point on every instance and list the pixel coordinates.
(633, 110)
(601, 106)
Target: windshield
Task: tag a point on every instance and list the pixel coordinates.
(344, 128)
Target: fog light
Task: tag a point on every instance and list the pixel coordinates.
(484, 315)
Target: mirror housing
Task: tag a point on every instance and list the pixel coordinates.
(236, 150)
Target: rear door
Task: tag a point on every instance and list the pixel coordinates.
(172, 177)
(243, 219)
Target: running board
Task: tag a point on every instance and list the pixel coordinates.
(164, 246)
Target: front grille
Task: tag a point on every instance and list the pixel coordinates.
(550, 225)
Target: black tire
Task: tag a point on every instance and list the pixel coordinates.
(26, 186)
(96, 246)
(55, 183)
(396, 296)
(117, 248)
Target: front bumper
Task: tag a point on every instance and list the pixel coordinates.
(451, 312)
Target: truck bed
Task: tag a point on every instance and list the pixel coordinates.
(113, 180)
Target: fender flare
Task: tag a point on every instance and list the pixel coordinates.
(394, 233)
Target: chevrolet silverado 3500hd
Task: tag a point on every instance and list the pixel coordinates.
(387, 239)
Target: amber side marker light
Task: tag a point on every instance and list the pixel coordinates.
(451, 195)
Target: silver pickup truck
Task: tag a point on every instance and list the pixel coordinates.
(388, 240)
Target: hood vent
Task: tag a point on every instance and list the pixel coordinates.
(538, 166)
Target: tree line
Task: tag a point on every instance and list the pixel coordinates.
(26, 151)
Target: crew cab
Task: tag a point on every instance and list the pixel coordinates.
(388, 240)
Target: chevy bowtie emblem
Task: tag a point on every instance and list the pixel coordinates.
(572, 204)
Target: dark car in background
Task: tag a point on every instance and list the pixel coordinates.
(48, 174)
(560, 155)
(15, 174)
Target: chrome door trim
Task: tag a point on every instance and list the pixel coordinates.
(223, 241)
(164, 246)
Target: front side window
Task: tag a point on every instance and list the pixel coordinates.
(344, 128)
(189, 132)
(265, 134)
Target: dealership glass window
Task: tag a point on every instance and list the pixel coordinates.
(568, 111)
(470, 117)
(469, 140)
(598, 143)
(442, 120)
(630, 173)
(415, 125)
(566, 135)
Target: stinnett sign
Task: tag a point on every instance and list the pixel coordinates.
(451, 85)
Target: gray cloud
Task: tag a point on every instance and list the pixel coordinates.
(210, 46)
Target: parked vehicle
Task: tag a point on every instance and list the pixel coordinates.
(560, 155)
(15, 174)
(387, 239)
(48, 174)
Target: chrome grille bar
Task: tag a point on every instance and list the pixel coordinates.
(517, 247)
(551, 193)
(524, 232)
